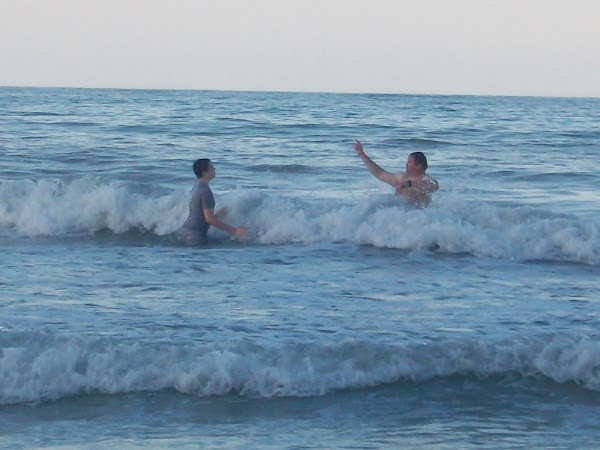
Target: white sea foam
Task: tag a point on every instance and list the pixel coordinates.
(51, 367)
(450, 225)
(52, 208)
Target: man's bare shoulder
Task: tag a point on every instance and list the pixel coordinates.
(401, 177)
(426, 177)
(432, 182)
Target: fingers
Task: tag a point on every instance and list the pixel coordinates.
(241, 232)
(358, 147)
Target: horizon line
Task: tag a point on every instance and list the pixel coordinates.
(283, 91)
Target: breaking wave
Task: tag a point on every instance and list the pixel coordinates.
(451, 225)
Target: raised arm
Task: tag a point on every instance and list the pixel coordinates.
(376, 171)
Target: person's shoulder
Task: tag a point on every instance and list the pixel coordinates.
(401, 177)
(433, 183)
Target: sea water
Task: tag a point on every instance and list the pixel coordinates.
(346, 319)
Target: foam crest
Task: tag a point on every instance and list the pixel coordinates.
(450, 225)
(51, 208)
(453, 226)
(45, 367)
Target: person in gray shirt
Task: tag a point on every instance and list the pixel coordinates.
(202, 205)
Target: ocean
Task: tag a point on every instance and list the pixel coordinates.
(346, 319)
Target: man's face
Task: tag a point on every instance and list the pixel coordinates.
(211, 170)
(412, 168)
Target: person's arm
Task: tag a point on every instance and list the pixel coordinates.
(376, 171)
(222, 212)
(212, 219)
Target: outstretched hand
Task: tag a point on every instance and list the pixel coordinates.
(358, 147)
(240, 232)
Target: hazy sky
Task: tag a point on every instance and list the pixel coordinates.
(498, 47)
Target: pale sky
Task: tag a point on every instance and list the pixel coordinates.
(488, 47)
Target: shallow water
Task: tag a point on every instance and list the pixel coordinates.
(346, 319)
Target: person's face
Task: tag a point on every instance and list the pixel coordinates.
(411, 166)
(212, 172)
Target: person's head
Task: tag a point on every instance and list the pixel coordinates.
(204, 168)
(416, 163)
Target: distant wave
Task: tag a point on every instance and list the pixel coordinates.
(283, 168)
(43, 114)
(588, 134)
(556, 177)
(88, 206)
(142, 129)
(417, 142)
(43, 366)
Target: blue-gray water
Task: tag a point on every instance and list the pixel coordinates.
(347, 319)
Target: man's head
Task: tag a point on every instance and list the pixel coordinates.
(416, 163)
(202, 167)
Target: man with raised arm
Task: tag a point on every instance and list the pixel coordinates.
(414, 184)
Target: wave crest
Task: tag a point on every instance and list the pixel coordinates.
(450, 225)
(55, 208)
(48, 367)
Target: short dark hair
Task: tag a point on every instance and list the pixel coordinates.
(420, 159)
(201, 166)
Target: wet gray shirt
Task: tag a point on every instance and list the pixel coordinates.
(195, 227)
